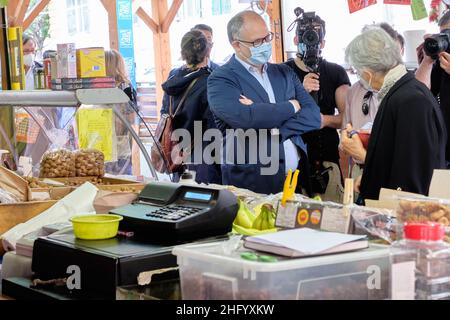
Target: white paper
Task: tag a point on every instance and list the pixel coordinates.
(79, 202)
(334, 220)
(306, 241)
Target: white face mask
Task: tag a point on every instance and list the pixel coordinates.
(28, 60)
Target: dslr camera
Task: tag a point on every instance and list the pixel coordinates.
(310, 33)
(436, 44)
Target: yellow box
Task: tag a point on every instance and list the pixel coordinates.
(91, 63)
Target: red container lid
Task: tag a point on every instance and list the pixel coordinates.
(424, 231)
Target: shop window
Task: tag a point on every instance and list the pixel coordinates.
(77, 16)
(220, 7)
(191, 9)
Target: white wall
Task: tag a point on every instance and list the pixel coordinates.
(99, 30)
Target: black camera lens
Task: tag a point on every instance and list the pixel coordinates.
(436, 44)
(311, 38)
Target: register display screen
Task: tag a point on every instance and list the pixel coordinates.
(197, 196)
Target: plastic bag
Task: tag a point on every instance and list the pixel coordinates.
(376, 223)
(89, 163)
(58, 164)
(7, 197)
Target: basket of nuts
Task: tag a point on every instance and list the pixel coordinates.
(425, 210)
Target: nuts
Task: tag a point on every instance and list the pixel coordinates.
(64, 164)
(424, 211)
(89, 163)
(58, 164)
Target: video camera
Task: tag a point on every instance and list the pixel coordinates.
(437, 44)
(310, 33)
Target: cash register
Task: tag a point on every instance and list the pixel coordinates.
(164, 215)
(170, 212)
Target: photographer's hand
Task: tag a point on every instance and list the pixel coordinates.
(311, 82)
(444, 59)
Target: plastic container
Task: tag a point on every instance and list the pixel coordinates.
(420, 264)
(423, 210)
(210, 272)
(96, 227)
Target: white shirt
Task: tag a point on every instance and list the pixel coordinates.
(291, 153)
(29, 80)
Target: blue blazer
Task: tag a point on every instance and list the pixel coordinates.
(225, 86)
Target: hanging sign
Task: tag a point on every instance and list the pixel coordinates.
(356, 5)
(126, 40)
(419, 11)
(404, 2)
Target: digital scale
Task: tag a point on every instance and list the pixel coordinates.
(164, 215)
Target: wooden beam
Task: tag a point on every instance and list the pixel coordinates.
(274, 12)
(12, 11)
(22, 11)
(143, 15)
(111, 9)
(35, 13)
(170, 16)
(161, 43)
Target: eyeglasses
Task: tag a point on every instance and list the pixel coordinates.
(258, 43)
(366, 101)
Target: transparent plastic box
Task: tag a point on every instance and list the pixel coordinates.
(208, 272)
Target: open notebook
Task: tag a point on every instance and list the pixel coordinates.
(306, 242)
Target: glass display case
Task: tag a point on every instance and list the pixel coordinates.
(101, 119)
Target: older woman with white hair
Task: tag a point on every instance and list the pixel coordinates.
(408, 136)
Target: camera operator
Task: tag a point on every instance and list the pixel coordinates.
(328, 83)
(434, 69)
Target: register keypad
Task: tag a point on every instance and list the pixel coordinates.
(174, 213)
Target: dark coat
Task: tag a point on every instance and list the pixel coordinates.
(225, 87)
(194, 109)
(407, 143)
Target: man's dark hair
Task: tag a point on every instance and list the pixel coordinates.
(445, 20)
(401, 40)
(194, 47)
(27, 38)
(203, 27)
(390, 31)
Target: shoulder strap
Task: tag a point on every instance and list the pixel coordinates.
(185, 95)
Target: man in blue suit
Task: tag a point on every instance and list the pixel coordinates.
(250, 93)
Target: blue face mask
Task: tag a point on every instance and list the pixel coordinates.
(260, 55)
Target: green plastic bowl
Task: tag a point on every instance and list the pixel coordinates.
(96, 227)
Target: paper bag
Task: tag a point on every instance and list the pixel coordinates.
(107, 200)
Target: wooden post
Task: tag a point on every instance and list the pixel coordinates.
(161, 43)
(274, 12)
(110, 7)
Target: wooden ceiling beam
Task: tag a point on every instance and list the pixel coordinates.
(171, 14)
(145, 17)
(35, 13)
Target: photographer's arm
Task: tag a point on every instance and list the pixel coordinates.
(335, 122)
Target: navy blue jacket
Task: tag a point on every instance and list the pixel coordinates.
(225, 86)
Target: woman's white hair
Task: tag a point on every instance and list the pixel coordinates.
(373, 50)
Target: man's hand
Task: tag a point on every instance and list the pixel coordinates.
(296, 105)
(245, 101)
(444, 59)
(311, 82)
(422, 57)
(352, 145)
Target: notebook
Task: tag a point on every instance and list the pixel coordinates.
(306, 242)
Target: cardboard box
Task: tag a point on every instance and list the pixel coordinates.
(66, 61)
(91, 62)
